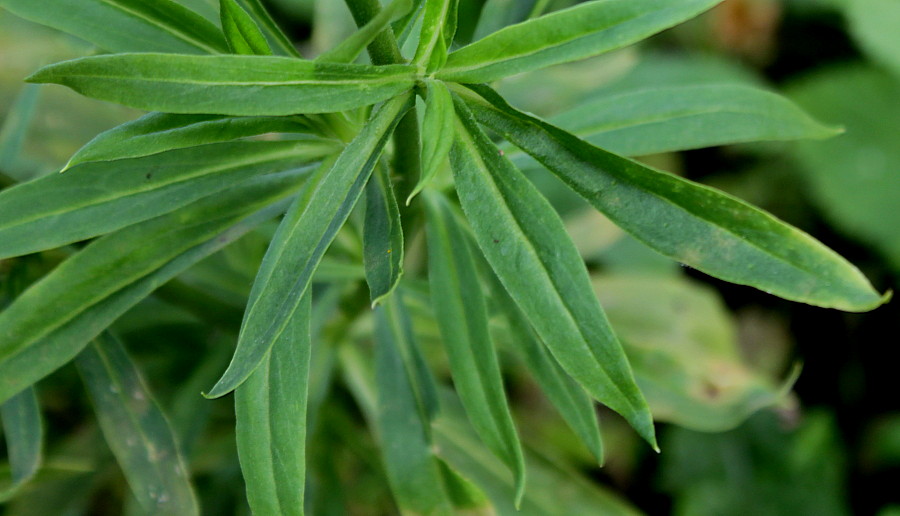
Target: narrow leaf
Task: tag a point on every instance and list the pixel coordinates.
(97, 198)
(526, 244)
(497, 14)
(56, 317)
(24, 434)
(433, 43)
(678, 118)
(277, 39)
(437, 133)
(586, 30)
(136, 429)
(14, 129)
(302, 239)
(694, 224)
(228, 85)
(242, 34)
(349, 49)
(402, 428)
(461, 313)
(159, 132)
(382, 237)
(271, 421)
(126, 25)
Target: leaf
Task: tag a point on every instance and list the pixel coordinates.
(694, 224)
(127, 25)
(497, 14)
(438, 28)
(228, 85)
(437, 133)
(57, 316)
(302, 239)
(24, 434)
(382, 237)
(159, 132)
(350, 48)
(403, 429)
(873, 23)
(526, 244)
(586, 30)
(97, 198)
(271, 421)
(461, 313)
(15, 128)
(278, 41)
(136, 429)
(242, 34)
(667, 119)
(569, 398)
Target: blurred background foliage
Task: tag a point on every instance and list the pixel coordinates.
(716, 361)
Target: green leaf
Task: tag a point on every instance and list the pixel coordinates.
(302, 239)
(678, 118)
(437, 133)
(96, 198)
(461, 313)
(694, 224)
(403, 429)
(278, 41)
(586, 30)
(55, 318)
(127, 25)
(24, 434)
(15, 128)
(136, 429)
(497, 14)
(271, 421)
(382, 237)
(569, 398)
(526, 244)
(349, 49)
(242, 34)
(438, 28)
(228, 85)
(873, 23)
(159, 132)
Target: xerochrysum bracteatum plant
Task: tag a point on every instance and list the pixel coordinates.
(412, 162)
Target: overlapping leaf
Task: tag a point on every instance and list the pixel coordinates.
(244, 37)
(382, 237)
(24, 433)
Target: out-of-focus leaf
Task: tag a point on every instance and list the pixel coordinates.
(228, 85)
(271, 421)
(159, 132)
(694, 224)
(461, 312)
(136, 429)
(382, 237)
(302, 239)
(97, 198)
(683, 348)
(688, 117)
(244, 37)
(855, 177)
(402, 426)
(525, 243)
(437, 133)
(14, 129)
(24, 434)
(585, 30)
(126, 25)
(874, 25)
(349, 49)
(56, 317)
(497, 14)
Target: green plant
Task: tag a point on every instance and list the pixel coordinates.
(164, 192)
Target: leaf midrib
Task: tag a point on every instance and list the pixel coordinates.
(171, 30)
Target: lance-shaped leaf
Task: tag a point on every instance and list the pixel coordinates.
(526, 244)
(349, 49)
(228, 85)
(126, 25)
(24, 434)
(382, 237)
(497, 14)
(461, 313)
(438, 29)
(302, 239)
(694, 224)
(437, 133)
(56, 317)
(689, 117)
(277, 39)
(586, 30)
(159, 132)
(136, 429)
(271, 421)
(97, 198)
(14, 129)
(244, 37)
(403, 428)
